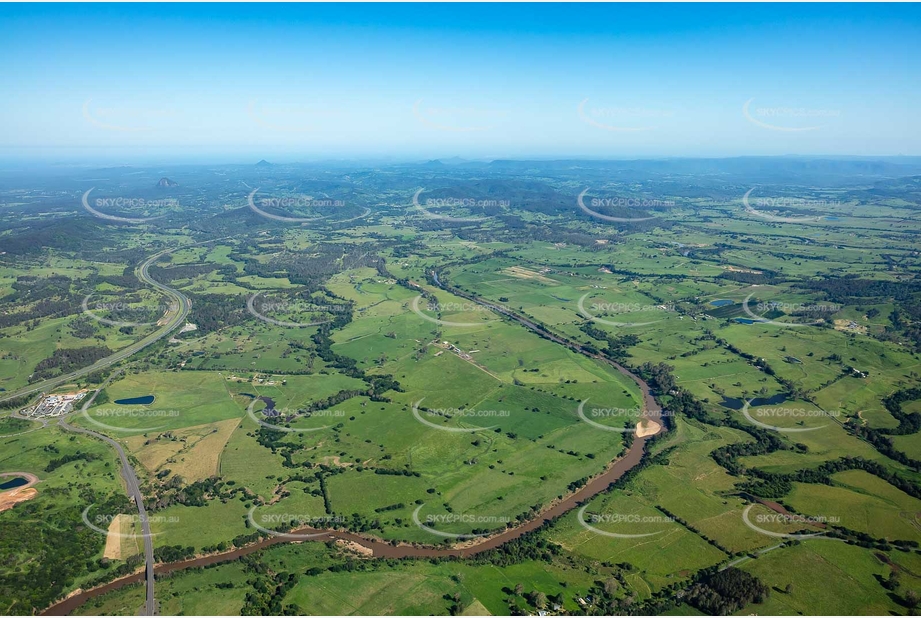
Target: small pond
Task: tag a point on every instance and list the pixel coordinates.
(135, 401)
(737, 404)
(14, 482)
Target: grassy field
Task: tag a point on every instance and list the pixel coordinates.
(192, 452)
(482, 421)
(863, 502)
(409, 588)
(89, 479)
(824, 577)
(181, 399)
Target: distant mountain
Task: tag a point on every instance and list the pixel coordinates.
(263, 163)
(166, 182)
(450, 161)
(805, 170)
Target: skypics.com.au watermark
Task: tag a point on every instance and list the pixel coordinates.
(266, 522)
(793, 307)
(134, 518)
(299, 202)
(292, 307)
(464, 202)
(780, 518)
(126, 413)
(303, 307)
(454, 202)
(629, 307)
(795, 202)
(134, 202)
(797, 414)
(308, 202)
(784, 203)
(302, 519)
(632, 418)
(129, 412)
(619, 202)
(123, 519)
(622, 119)
(788, 119)
(453, 307)
(289, 414)
(796, 112)
(619, 308)
(285, 412)
(630, 519)
(787, 519)
(121, 202)
(765, 306)
(458, 518)
(627, 413)
(121, 308)
(451, 413)
(460, 307)
(464, 518)
(794, 413)
(629, 202)
(465, 413)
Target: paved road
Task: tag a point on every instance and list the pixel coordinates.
(651, 409)
(134, 490)
(131, 480)
(745, 558)
(630, 459)
(177, 320)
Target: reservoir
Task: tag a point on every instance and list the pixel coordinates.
(14, 482)
(269, 409)
(136, 401)
(736, 404)
(722, 302)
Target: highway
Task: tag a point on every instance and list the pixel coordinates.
(134, 490)
(172, 324)
(627, 461)
(651, 408)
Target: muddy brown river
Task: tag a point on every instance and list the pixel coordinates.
(380, 549)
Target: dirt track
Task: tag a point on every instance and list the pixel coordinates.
(651, 425)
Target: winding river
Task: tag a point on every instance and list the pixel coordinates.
(380, 549)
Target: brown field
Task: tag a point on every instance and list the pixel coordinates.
(113, 549)
(11, 498)
(193, 453)
(845, 325)
(525, 273)
(736, 269)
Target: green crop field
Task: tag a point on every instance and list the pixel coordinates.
(419, 387)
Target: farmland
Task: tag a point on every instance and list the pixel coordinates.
(421, 385)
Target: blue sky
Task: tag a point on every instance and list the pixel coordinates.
(232, 82)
